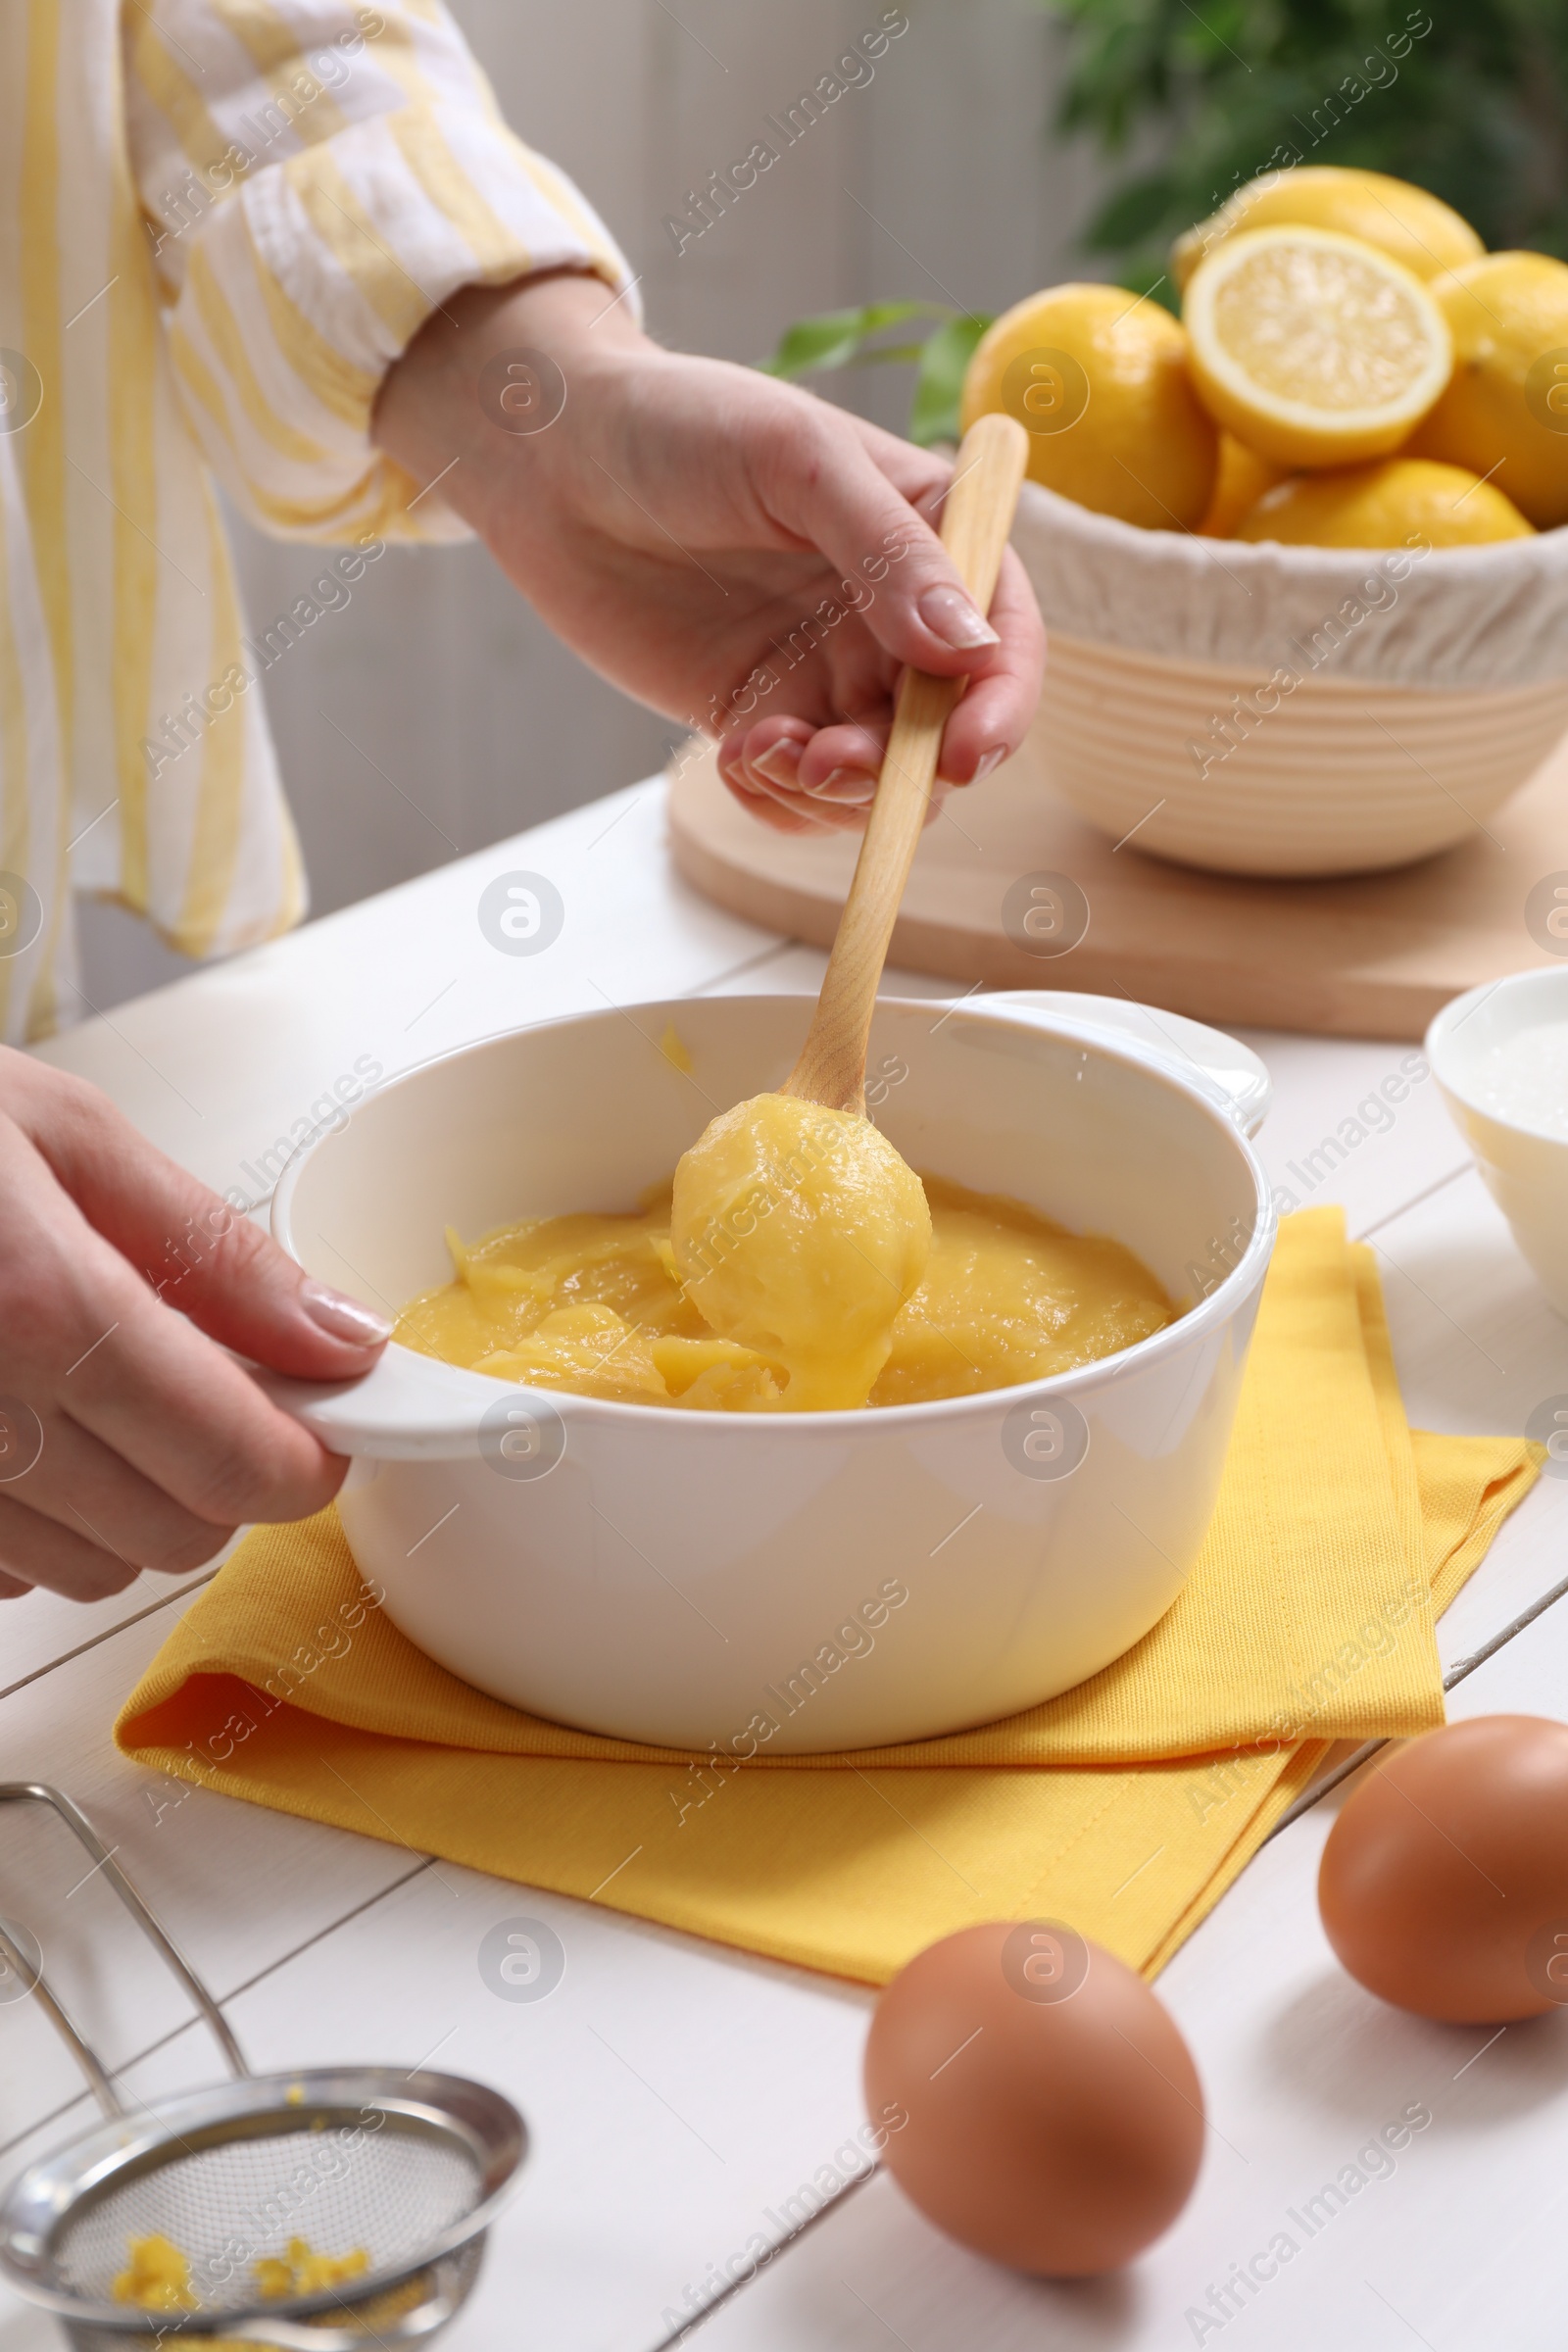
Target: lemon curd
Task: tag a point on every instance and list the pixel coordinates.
(799, 1232)
(596, 1303)
(157, 2276)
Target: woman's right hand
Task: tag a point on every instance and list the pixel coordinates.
(128, 1437)
(729, 549)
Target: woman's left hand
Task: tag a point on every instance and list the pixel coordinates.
(739, 554)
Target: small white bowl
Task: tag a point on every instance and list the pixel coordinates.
(845, 1578)
(1525, 1169)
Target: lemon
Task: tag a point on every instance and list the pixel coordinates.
(1392, 504)
(1505, 410)
(1417, 229)
(1097, 377)
(1313, 348)
(1240, 483)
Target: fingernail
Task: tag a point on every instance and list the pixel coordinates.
(344, 1318)
(989, 762)
(780, 763)
(850, 785)
(948, 615)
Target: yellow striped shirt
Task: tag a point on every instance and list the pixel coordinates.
(221, 221)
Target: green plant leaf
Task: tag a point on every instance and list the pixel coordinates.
(837, 338)
(934, 409)
(845, 339)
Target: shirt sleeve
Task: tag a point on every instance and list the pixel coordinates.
(318, 178)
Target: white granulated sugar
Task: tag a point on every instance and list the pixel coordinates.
(1524, 1080)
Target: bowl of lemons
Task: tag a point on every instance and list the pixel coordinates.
(1302, 552)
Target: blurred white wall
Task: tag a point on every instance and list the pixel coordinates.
(436, 714)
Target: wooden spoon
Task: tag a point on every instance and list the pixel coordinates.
(977, 517)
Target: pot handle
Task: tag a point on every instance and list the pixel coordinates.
(1229, 1071)
(406, 1408)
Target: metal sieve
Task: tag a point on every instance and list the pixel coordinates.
(412, 2167)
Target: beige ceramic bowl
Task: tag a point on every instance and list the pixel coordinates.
(1268, 709)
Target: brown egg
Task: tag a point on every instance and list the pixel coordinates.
(1444, 1886)
(1054, 2119)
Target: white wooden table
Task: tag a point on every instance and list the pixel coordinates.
(681, 2094)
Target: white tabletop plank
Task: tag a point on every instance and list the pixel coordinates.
(1479, 1346)
(39, 1630)
(1355, 1121)
(1458, 2246)
(1476, 1350)
(677, 2093)
(237, 1887)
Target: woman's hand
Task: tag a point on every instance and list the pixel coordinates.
(730, 550)
(129, 1438)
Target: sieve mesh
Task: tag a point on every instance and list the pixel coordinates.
(451, 2277)
(335, 2181)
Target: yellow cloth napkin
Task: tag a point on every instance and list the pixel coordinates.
(1125, 1807)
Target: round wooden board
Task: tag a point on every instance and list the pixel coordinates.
(1376, 956)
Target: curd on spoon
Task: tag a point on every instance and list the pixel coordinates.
(798, 1231)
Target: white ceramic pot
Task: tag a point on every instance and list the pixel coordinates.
(847, 1579)
(1526, 1173)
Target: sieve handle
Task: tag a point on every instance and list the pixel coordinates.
(103, 1858)
(81, 2050)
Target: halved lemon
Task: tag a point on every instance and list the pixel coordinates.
(1313, 348)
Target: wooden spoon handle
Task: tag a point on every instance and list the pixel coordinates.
(976, 517)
